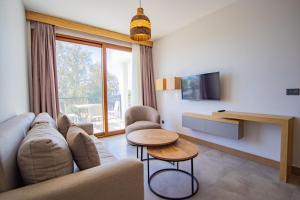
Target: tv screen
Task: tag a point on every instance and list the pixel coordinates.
(201, 87)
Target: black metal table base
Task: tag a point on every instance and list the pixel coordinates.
(142, 153)
(194, 188)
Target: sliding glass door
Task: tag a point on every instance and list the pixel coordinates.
(119, 67)
(94, 82)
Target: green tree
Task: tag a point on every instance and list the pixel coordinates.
(79, 76)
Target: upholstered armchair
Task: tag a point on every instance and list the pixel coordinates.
(141, 117)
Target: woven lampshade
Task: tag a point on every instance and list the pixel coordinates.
(140, 26)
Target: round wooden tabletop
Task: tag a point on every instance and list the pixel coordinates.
(180, 151)
(152, 137)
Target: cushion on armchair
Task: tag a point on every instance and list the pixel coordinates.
(139, 125)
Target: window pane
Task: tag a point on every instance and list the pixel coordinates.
(79, 83)
(119, 66)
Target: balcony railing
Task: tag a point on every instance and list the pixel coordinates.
(89, 109)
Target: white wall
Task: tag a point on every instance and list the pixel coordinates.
(13, 59)
(256, 47)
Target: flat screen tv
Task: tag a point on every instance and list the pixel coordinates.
(201, 87)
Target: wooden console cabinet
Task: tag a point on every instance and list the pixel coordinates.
(286, 125)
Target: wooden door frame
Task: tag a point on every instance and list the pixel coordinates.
(104, 46)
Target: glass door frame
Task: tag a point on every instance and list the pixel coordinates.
(103, 46)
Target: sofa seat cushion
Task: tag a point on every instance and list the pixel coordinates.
(104, 155)
(44, 154)
(83, 148)
(139, 125)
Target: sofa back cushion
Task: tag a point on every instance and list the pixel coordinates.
(83, 148)
(12, 132)
(44, 154)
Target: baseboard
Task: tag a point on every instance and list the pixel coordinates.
(296, 170)
(238, 153)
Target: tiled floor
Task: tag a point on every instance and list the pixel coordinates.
(221, 176)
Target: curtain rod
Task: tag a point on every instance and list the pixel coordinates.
(63, 23)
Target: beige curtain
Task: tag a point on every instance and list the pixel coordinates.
(43, 72)
(136, 82)
(148, 85)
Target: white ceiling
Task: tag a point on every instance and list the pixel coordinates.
(166, 15)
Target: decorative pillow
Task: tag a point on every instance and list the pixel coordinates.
(44, 118)
(83, 148)
(63, 124)
(44, 154)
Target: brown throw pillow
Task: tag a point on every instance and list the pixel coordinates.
(44, 154)
(63, 124)
(83, 148)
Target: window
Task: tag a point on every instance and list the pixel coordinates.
(94, 82)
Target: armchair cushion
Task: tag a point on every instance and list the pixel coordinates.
(83, 148)
(139, 125)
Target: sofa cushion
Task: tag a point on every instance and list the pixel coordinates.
(12, 132)
(83, 148)
(103, 153)
(44, 118)
(44, 154)
(63, 124)
(139, 125)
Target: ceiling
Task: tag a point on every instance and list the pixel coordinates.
(166, 15)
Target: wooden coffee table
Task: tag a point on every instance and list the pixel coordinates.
(182, 150)
(151, 138)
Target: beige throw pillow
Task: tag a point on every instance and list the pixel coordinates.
(44, 154)
(44, 118)
(83, 148)
(63, 124)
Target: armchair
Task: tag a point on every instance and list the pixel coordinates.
(141, 117)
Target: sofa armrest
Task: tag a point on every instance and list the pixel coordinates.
(87, 127)
(122, 179)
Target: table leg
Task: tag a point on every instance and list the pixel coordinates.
(148, 167)
(192, 172)
(142, 153)
(137, 152)
(177, 166)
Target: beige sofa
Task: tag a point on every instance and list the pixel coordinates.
(113, 180)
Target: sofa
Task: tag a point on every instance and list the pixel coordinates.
(141, 117)
(113, 180)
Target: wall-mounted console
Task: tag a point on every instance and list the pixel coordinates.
(286, 125)
(228, 128)
(229, 124)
